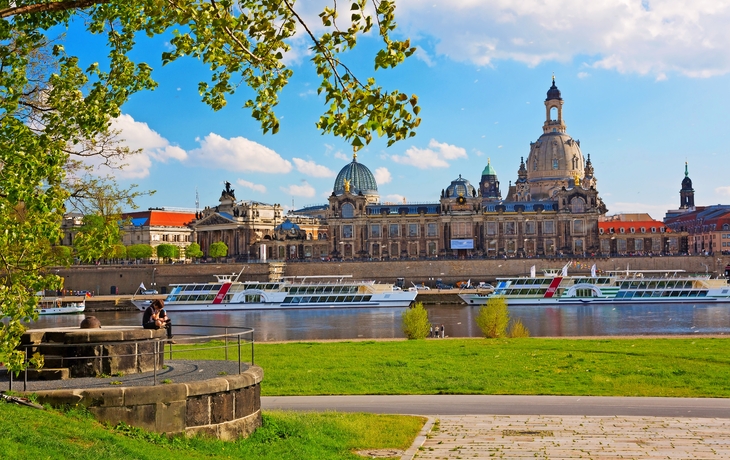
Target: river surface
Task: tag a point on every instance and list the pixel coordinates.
(458, 321)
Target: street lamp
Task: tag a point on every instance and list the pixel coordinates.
(153, 277)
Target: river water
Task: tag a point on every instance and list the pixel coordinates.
(458, 321)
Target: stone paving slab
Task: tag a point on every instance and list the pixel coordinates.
(558, 437)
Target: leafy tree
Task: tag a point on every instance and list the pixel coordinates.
(415, 322)
(50, 107)
(96, 238)
(493, 317)
(167, 251)
(193, 251)
(218, 249)
(139, 251)
(517, 329)
(62, 254)
(119, 251)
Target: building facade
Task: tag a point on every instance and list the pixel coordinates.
(553, 208)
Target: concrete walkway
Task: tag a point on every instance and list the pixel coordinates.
(558, 437)
(487, 426)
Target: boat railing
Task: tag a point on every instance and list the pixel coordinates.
(190, 342)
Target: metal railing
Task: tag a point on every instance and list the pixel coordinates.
(231, 336)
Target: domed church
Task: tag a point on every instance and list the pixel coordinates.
(552, 208)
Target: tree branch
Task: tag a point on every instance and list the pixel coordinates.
(48, 7)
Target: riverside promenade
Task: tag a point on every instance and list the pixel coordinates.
(546, 427)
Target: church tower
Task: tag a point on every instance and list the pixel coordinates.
(489, 185)
(687, 194)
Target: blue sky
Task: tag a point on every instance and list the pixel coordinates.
(645, 86)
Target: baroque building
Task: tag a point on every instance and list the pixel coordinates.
(553, 208)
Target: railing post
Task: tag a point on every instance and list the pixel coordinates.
(239, 352)
(25, 375)
(252, 362)
(157, 343)
(225, 342)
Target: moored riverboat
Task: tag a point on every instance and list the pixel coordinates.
(227, 293)
(556, 287)
(60, 306)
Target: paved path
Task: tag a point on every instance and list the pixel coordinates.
(474, 427)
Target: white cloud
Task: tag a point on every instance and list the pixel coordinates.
(138, 135)
(723, 190)
(341, 156)
(435, 156)
(304, 190)
(394, 199)
(382, 175)
(311, 168)
(583, 75)
(237, 154)
(255, 187)
(671, 36)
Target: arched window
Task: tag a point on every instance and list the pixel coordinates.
(348, 211)
(577, 205)
(726, 226)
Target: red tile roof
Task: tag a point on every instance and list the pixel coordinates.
(164, 218)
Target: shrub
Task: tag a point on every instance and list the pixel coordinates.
(493, 318)
(415, 322)
(518, 330)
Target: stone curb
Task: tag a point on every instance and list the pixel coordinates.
(411, 452)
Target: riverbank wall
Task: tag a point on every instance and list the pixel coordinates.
(126, 279)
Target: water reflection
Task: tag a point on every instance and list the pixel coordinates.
(458, 321)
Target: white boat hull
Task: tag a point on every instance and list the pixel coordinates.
(65, 310)
(401, 300)
(473, 299)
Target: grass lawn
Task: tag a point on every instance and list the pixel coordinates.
(33, 434)
(692, 367)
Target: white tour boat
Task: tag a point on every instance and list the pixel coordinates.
(555, 287)
(227, 293)
(61, 306)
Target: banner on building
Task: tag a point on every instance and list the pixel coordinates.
(462, 244)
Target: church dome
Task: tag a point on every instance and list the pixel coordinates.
(489, 170)
(460, 187)
(554, 158)
(358, 177)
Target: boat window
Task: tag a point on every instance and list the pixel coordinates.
(656, 294)
(357, 298)
(198, 287)
(703, 294)
(171, 298)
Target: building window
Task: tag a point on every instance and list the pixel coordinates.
(375, 231)
(348, 211)
(548, 227)
(376, 250)
(432, 229)
(622, 230)
(412, 230)
(600, 231)
(632, 230)
(638, 244)
(577, 205)
(461, 230)
(491, 228)
(432, 248)
(578, 227)
(509, 228)
(578, 247)
(529, 227)
(643, 229)
(347, 231)
(393, 231)
(555, 164)
(653, 229)
(394, 254)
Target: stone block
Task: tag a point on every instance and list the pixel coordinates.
(251, 376)
(244, 401)
(48, 373)
(197, 411)
(104, 397)
(121, 358)
(171, 417)
(146, 358)
(60, 398)
(239, 428)
(209, 386)
(206, 431)
(32, 337)
(143, 416)
(93, 335)
(84, 361)
(221, 407)
(134, 396)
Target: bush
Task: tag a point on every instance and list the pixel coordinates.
(415, 322)
(518, 330)
(493, 318)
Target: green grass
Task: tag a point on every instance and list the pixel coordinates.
(694, 367)
(33, 434)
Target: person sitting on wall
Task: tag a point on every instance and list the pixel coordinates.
(155, 317)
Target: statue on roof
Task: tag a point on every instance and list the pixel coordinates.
(228, 191)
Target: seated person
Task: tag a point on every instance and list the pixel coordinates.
(154, 317)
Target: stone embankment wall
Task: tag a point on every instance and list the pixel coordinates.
(228, 407)
(125, 279)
